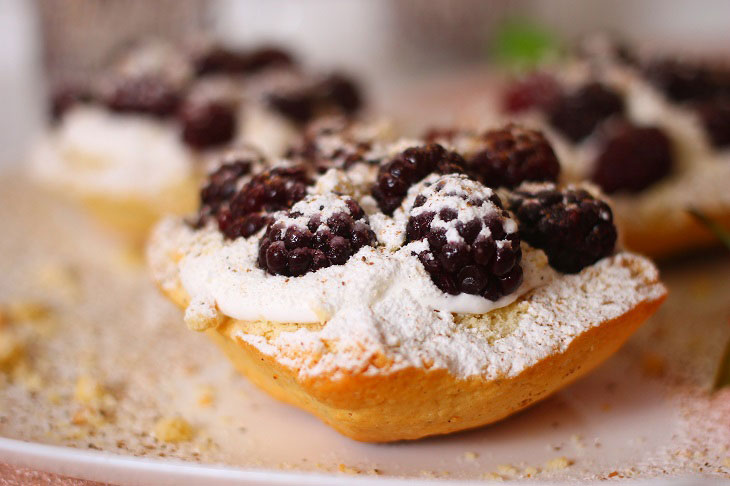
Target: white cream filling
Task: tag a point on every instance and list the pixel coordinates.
(96, 151)
(225, 273)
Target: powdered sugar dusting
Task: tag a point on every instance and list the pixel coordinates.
(383, 303)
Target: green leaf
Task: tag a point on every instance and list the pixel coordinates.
(522, 44)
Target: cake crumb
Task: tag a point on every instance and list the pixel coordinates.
(12, 350)
(492, 476)
(206, 396)
(507, 470)
(470, 456)
(530, 471)
(173, 429)
(347, 469)
(88, 391)
(558, 463)
(726, 462)
(24, 310)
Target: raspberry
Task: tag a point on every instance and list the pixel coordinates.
(473, 245)
(396, 176)
(715, 117)
(272, 190)
(537, 90)
(514, 154)
(633, 159)
(576, 115)
(207, 123)
(145, 94)
(572, 227)
(331, 95)
(318, 231)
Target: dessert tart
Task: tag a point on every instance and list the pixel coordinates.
(395, 292)
(135, 141)
(654, 133)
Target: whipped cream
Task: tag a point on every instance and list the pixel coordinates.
(100, 152)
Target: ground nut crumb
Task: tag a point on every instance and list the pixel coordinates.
(173, 429)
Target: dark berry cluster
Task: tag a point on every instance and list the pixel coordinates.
(316, 233)
(207, 123)
(218, 59)
(573, 228)
(683, 81)
(715, 117)
(335, 94)
(484, 259)
(242, 207)
(512, 155)
(150, 95)
(633, 158)
(537, 90)
(577, 114)
(396, 176)
(332, 142)
(66, 95)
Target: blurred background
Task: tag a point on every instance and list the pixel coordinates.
(389, 44)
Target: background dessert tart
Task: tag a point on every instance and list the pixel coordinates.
(411, 300)
(134, 142)
(653, 132)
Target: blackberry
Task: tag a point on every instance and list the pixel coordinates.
(333, 142)
(150, 95)
(272, 190)
(511, 155)
(319, 231)
(66, 95)
(633, 159)
(268, 57)
(219, 60)
(335, 94)
(715, 117)
(536, 90)
(683, 81)
(396, 176)
(573, 228)
(473, 245)
(341, 92)
(576, 115)
(207, 123)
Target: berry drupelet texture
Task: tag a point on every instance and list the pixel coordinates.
(576, 115)
(397, 175)
(573, 228)
(473, 245)
(633, 158)
(207, 123)
(512, 155)
(241, 207)
(334, 94)
(318, 232)
(147, 95)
